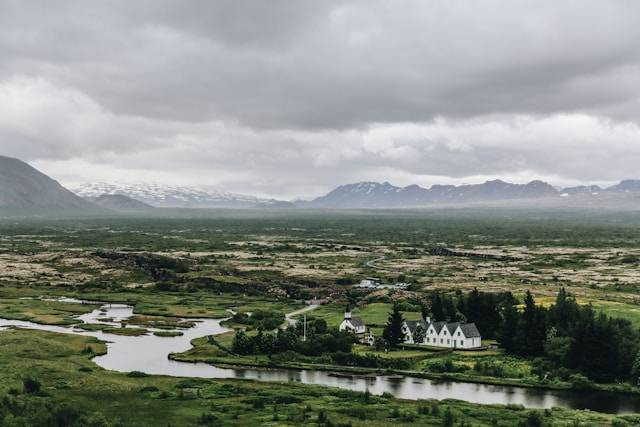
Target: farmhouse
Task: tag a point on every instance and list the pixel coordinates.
(352, 323)
(376, 283)
(442, 334)
(369, 283)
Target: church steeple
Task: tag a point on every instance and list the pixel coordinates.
(347, 312)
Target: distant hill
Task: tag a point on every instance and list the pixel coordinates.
(385, 195)
(170, 196)
(119, 202)
(626, 186)
(276, 204)
(26, 191)
(582, 189)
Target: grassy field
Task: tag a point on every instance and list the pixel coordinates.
(61, 363)
(371, 314)
(46, 312)
(184, 268)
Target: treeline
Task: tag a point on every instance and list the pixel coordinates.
(324, 345)
(483, 308)
(319, 341)
(565, 338)
(260, 319)
(570, 336)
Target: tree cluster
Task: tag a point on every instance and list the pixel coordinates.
(319, 341)
(482, 308)
(566, 337)
(574, 337)
(260, 319)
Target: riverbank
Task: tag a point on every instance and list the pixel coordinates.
(67, 375)
(198, 354)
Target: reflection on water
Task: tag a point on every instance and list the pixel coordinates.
(149, 353)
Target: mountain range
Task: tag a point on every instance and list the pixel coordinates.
(169, 196)
(25, 190)
(385, 195)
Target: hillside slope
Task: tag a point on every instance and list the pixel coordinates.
(25, 190)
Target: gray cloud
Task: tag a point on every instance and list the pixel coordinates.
(291, 97)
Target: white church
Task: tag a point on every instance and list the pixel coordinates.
(442, 334)
(356, 326)
(352, 324)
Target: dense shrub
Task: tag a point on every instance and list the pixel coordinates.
(31, 385)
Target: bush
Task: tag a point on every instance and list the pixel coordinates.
(534, 419)
(31, 385)
(208, 420)
(448, 419)
(137, 374)
(580, 382)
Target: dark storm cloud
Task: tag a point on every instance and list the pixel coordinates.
(262, 95)
(329, 64)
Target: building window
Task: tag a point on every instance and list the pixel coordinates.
(441, 340)
(448, 341)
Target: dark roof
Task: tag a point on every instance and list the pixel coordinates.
(356, 321)
(470, 330)
(413, 324)
(452, 327)
(438, 326)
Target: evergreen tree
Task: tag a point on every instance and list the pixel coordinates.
(474, 306)
(437, 307)
(393, 330)
(242, 344)
(635, 370)
(424, 310)
(564, 313)
(509, 329)
(532, 328)
(451, 313)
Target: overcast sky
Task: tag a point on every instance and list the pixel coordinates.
(291, 98)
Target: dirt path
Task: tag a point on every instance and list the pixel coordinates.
(372, 263)
(289, 317)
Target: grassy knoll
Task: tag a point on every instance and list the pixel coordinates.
(61, 365)
(129, 332)
(46, 312)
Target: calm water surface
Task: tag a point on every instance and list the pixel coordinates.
(149, 354)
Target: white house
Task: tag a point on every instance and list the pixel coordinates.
(375, 283)
(442, 334)
(369, 283)
(352, 323)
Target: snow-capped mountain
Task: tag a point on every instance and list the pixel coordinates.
(169, 196)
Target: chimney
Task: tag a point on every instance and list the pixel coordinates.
(427, 320)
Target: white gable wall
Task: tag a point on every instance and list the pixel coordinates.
(346, 325)
(445, 339)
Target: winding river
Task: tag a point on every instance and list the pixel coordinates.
(149, 354)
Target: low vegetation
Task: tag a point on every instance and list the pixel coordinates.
(260, 267)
